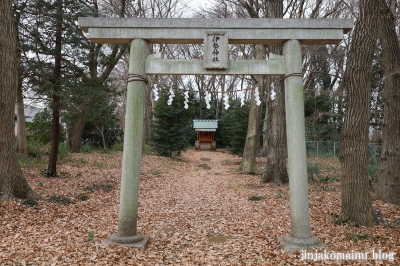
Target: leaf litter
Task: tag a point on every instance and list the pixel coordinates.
(196, 211)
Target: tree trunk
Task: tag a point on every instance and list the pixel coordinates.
(276, 170)
(223, 110)
(76, 134)
(388, 187)
(12, 181)
(22, 144)
(55, 122)
(103, 138)
(248, 164)
(356, 198)
(264, 148)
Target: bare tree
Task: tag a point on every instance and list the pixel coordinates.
(12, 182)
(356, 199)
(254, 9)
(148, 9)
(248, 163)
(388, 187)
(276, 170)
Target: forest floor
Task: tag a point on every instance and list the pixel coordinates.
(197, 209)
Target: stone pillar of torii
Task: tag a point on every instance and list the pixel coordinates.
(215, 34)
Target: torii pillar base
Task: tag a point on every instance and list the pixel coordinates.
(138, 241)
(292, 244)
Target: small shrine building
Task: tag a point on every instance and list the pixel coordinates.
(205, 131)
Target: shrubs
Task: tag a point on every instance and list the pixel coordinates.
(40, 128)
(256, 198)
(61, 199)
(29, 202)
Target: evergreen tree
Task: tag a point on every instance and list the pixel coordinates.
(104, 131)
(234, 127)
(50, 44)
(171, 127)
(82, 86)
(39, 128)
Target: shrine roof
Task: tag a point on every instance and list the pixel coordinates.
(205, 125)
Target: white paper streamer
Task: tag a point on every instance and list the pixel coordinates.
(241, 95)
(273, 95)
(171, 96)
(186, 99)
(272, 92)
(226, 101)
(257, 97)
(155, 92)
(207, 99)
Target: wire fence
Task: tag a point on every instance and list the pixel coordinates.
(331, 148)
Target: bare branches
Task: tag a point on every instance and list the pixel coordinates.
(351, 9)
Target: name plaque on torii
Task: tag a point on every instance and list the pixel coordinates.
(216, 34)
(215, 50)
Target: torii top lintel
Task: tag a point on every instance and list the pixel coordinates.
(192, 31)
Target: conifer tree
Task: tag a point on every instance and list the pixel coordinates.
(234, 127)
(172, 130)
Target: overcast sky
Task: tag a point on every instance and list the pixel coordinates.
(195, 5)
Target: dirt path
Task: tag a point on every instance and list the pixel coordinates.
(196, 209)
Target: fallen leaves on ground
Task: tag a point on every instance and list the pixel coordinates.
(196, 210)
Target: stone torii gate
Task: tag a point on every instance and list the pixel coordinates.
(215, 34)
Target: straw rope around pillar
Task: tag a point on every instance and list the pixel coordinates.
(137, 77)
